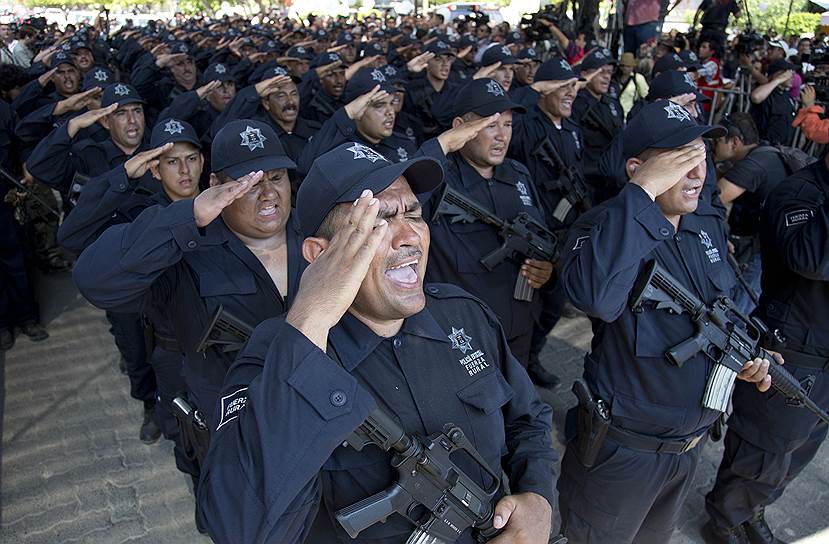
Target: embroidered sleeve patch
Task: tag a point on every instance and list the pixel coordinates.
(798, 217)
(232, 404)
(580, 242)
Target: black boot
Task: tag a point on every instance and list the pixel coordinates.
(34, 331)
(6, 339)
(150, 432)
(199, 525)
(712, 534)
(541, 376)
(758, 531)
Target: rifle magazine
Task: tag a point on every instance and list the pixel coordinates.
(719, 387)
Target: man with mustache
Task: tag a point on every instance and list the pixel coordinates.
(202, 106)
(599, 114)
(368, 117)
(56, 84)
(365, 332)
(474, 158)
(657, 422)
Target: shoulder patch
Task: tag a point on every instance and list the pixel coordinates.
(232, 404)
(798, 217)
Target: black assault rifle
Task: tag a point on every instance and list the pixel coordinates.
(226, 331)
(570, 181)
(723, 333)
(28, 191)
(522, 236)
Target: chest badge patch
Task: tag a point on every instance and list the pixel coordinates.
(475, 361)
(524, 194)
(712, 252)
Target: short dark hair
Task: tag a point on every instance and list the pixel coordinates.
(331, 224)
(741, 125)
(12, 76)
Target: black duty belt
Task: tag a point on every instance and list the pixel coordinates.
(641, 442)
(805, 360)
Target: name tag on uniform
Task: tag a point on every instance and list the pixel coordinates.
(798, 217)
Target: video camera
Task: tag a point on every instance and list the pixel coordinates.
(748, 41)
(537, 31)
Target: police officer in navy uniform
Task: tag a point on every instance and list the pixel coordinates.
(368, 117)
(599, 114)
(474, 159)
(362, 332)
(770, 441)
(235, 245)
(772, 105)
(658, 424)
(549, 119)
(322, 88)
(61, 80)
(424, 91)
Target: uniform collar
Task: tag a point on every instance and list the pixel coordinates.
(699, 220)
(352, 341)
(470, 177)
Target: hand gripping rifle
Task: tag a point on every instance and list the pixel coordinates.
(428, 483)
(521, 236)
(723, 334)
(570, 181)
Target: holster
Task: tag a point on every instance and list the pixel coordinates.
(195, 435)
(593, 423)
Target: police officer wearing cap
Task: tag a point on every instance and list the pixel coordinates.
(368, 117)
(322, 88)
(60, 81)
(425, 90)
(657, 422)
(599, 114)
(770, 441)
(526, 65)
(474, 159)
(60, 156)
(172, 72)
(235, 245)
(498, 63)
(772, 105)
(203, 105)
(377, 337)
(119, 196)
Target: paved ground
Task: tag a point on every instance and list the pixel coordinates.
(73, 469)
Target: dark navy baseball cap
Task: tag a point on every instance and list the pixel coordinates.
(497, 53)
(664, 125)
(325, 59)
(485, 97)
(672, 83)
(555, 69)
(61, 57)
(515, 37)
(97, 76)
(269, 70)
(671, 61)
(364, 80)
(343, 173)
(440, 47)
(218, 71)
(467, 40)
(300, 52)
(691, 60)
(779, 65)
(345, 38)
(596, 59)
(173, 130)
(529, 53)
(246, 145)
(119, 93)
(177, 48)
(372, 49)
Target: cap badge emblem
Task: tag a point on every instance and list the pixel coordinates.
(121, 90)
(220, 69)
(364, 152)
(173, 127)
(494, 88)
(675, 111)
(252, 138)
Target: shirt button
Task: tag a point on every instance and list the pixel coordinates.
(397, 342)
(664, 231)
(122, 186)
(432, 290)
(192, 244)
(678, 237)
(338, 398)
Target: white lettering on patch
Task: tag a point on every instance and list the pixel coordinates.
(232, 404)
(798, 217)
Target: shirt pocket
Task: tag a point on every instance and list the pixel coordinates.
(483, 400)
(214, 283)
(474, 242)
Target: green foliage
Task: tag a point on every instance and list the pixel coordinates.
(799, 23)
(195, 7)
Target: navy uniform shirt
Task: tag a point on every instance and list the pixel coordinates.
(163, 260)
(456, 249)
(774, 116)
(420, 100)
(272, 460)
(320, 106)
(528, 133)
(604, 253)
(38, 124)
(58, 157)
(340, 129)
(155, 85)
(33, 96)
(600, 121)
(196, 111)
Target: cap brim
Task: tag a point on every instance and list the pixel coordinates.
(683, 137)
(264, 164)
(497, 107)
(176, 140)
(423, 174)
(125, 101)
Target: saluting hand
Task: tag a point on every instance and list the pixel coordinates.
(89, 118)
(210, 202)
(664, 169)
(418, 63)
(525, 518)
(267, 87)
(454, 139)
(205, 90)
(77, 101)
(340, 269)
(138, 165)
(486, 71)
(47, 76)
(546, 87)
(167, 59)
(357, 107)
(326, 69)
